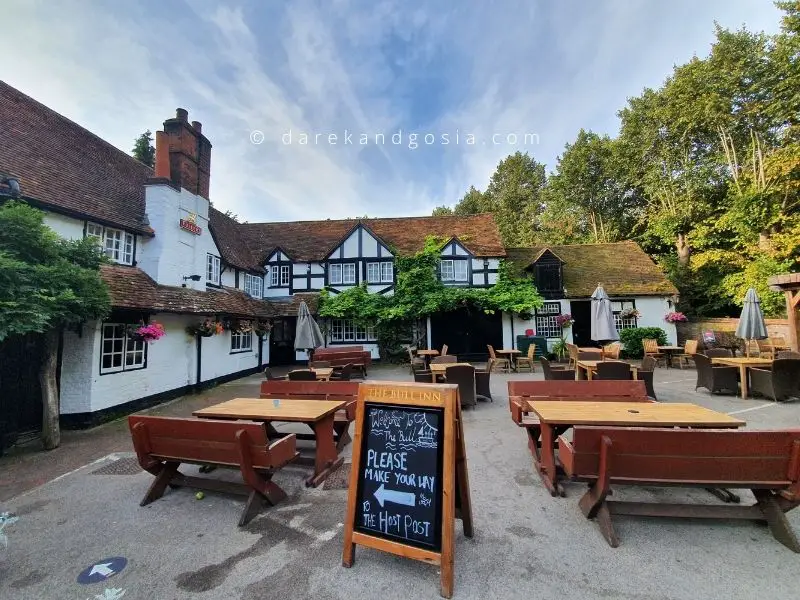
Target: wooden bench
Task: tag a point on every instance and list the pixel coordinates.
(163, 443)
(338, 357)
(765, 462)
(346, 391)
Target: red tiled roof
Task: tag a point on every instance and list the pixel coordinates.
(287, 307)
(130, 287)
(63, 166)
(623, 268)
(231, 243)
(314, 240)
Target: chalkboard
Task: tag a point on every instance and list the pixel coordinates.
(399, 494)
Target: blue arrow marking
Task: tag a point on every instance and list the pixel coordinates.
(102, 570)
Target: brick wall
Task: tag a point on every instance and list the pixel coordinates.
(693, 330)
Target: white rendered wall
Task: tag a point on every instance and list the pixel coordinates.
(652, 311)
(66, 227)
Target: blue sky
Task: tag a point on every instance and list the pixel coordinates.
(255, 70)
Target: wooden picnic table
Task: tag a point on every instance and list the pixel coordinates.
(585, 369)
(625, 414)
(511, 354)
(441, 368)
(743, 363)
(669, 351)
(321, 373)
(317, 414)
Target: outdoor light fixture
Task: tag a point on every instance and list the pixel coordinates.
(192, 277)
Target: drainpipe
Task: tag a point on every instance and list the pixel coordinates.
(513, 337)
(199, 361)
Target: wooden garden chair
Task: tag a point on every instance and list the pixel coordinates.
(527, 360)
(651, 349)
(494, 361)
(689, 348)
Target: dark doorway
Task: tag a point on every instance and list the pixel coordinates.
(20, 392)
(281, 342)
(581, 311)
(467, 332)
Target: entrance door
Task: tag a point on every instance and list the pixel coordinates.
(581, 311)
(20, 392)
(281, 341)
(467, 332)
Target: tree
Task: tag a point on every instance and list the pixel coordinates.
(46, 283)
(442, 211)
(143, 149)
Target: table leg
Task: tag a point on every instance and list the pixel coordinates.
(579, 373)
(326, 457)
(547, 466)
(433, 377)
(743, 378)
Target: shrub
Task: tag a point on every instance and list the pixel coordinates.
(632, 339)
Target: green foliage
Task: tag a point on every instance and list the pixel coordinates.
(143, 149)
(632, 339)
(419, 293)
(45, 282)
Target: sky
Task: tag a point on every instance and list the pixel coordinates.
(490, 78)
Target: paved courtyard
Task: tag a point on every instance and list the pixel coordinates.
(79, 504)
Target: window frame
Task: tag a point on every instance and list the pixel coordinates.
(545, 320)
(237, 342)
(130, 348)
(388, 278)
(253, 285)
(376, 267)
(346, 331)
(117, 244)
(451, 264)
(213, 264)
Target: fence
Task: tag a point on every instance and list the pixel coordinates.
(694, 330)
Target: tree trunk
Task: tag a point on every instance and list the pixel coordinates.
(764, 241)
(51, 434)
(684, 251)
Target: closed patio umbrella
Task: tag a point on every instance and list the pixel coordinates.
(603, 327)
(308, 335)
(751, 324)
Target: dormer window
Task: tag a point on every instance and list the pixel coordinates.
(115, 243)
(454, 270)
(548, 277)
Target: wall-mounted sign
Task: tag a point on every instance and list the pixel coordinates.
(190, 224)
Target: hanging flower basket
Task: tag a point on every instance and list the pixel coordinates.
(238, 325)
(205, 328)
(262, 328)
(675, 317)
(152, 332)
(630, 313)
(565, 321)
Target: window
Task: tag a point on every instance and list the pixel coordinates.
(252, 285)
(345, 330)
(381, 272)
(454, 270)
(115, 243)
(118, 352)
(623, 319)
(343, 274)
(546, 324)
(241, 342)
(548, 277)
(212, 269)
(279, 276)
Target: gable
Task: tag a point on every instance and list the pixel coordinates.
(360, 243)
(455, 249)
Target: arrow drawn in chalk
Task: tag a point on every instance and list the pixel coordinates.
(103, 569)
(404, 498)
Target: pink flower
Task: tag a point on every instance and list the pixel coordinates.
(152, 332)
(675, 317)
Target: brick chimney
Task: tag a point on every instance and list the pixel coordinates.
(183, 154)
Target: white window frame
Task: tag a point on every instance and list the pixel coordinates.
(116, 244)
(241, 341)
(373, 272)
(213, 267)
(274, 276)
(546, 324)
(387, 272)
(253, 285)
(131, 355)
(447, 268)
(286, 273)
(335, 274)
(345, 330)
(342, 274)
(457, 265)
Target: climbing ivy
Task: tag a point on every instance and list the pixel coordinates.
(419, 294)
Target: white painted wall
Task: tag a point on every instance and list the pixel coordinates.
(174, 252)
(67, 227)
(350, 246)
(228, 277)
(652, 311)
(171, 364)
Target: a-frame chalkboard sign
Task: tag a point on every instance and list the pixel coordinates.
(409, 479)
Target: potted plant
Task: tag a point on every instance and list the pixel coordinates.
(205, 328)
(675, 317)
(560, 349)
(149, 333)
(565, 320)
(629, 313)
(262, 328)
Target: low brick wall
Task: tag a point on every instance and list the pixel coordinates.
(694, 330)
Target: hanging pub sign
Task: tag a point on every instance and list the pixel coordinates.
(190, 224)
(409, 479)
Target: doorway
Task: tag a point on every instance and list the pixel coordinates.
(581, 311)
(281, 342)
(466, 332)
(20, 392)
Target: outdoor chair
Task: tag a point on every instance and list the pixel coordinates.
(302, 375)
(715, 378)
(786, 354)
(319, 364)
(503, 363)
(780, 383)
(612, 350)
(572, 350)
(445, 359)
(650, 347)
(646, 373)
(268, 375)
(613, 370)
(779, 343)
(765, 348)
(719, 353)
(414, 361)
(444, 350)
(482, 389)
(344, 374)
(689, 348)
(422, 376)
(590, 355)
(464, 377)
(555, 373)
(527, 360)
